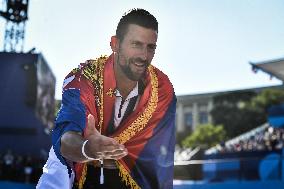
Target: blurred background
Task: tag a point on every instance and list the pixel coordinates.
(224, 58)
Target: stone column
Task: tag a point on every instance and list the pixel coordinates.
(180, 127)
(210, 107)
(195, 116)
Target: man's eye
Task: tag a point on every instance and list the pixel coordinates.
(135, 44)
(152, 47)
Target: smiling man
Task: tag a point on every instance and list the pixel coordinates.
(115, 128)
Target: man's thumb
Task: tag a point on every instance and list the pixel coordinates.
(92, 125)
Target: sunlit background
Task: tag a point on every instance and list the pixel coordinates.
(226, 137)
(203, 46)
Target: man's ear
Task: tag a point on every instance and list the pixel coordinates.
(114, 43)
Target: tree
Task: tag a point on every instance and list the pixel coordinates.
(57, 106)
(229, 110)
(181, 136)
(206, 135)
(242, 111)
(265, 99)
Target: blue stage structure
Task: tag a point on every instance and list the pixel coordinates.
(270, 184)
(276, 116)
(240, 170)
(26, 104)
(13, 185)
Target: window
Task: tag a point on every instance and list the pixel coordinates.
(188, 119)
(203, 117)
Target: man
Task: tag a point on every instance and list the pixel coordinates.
(115, 128)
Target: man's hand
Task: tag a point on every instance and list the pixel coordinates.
(100, 146)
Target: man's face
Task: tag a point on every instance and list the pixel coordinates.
(136, 51)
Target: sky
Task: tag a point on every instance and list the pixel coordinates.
(203, 45)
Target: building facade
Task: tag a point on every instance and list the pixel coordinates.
(193, 110)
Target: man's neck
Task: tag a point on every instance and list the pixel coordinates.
(125, 88)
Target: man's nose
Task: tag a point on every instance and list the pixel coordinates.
(144, 54)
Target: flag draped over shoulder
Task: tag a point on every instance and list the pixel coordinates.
(148, 132)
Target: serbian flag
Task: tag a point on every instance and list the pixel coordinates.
(148, 132)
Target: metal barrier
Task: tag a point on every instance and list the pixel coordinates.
(265, 165)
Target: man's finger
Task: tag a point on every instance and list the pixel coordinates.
(114, 152)
(118, 156)
(108, 149)
(92, 125)
(114, 156)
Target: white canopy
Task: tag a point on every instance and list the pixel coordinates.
(274, 68)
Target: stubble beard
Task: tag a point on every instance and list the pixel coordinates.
(127, 70)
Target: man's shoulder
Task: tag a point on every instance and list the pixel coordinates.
(77, 77)
(87, 72)
(163, 78)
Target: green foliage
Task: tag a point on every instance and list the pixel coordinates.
(265, 99)
(242, 111)
(57, 106)
(231, 112)
(181, 136)
(206, 135)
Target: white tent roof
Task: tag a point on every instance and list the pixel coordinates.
(274, 68)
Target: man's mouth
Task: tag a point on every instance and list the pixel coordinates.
(139, 64)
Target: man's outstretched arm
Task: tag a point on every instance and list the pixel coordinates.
(98, 146)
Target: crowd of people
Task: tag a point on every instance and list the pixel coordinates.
(19, 168)
(268, 139)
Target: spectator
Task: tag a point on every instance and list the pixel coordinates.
(28, 169)
(8, 165)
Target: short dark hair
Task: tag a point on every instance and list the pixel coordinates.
(140, 17)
